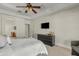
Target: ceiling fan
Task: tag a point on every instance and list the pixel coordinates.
(29, 7)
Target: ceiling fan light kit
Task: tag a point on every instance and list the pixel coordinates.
(29, 7)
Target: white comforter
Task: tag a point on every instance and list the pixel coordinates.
(24, 47)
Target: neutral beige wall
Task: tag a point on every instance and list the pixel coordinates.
(37, 25)
(65, 24)
(13, 21)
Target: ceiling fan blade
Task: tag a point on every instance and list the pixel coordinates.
(34, 11)
(36, 7)
(21, 6)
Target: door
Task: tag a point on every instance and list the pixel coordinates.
(27, 30)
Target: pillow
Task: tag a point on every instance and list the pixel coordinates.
(2, 41)
(9, 40)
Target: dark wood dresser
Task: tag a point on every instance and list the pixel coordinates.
(46, 39)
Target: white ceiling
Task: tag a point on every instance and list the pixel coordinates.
(46, 8)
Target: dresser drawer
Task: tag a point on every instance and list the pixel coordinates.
(49, 40)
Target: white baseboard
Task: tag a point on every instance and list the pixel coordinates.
(64, 46)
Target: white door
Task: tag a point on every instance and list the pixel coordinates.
(26, 30)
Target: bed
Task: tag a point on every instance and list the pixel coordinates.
(75, 48)
(24, 47)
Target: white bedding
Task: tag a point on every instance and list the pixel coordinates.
(24, 47)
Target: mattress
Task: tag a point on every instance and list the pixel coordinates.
(24, 47)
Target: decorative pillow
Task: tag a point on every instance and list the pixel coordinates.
(9, 40)
(2, 41)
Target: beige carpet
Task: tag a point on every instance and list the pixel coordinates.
(58, 51)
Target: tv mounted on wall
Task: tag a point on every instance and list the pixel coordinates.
(45, 25)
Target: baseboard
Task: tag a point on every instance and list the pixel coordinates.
(64, 46)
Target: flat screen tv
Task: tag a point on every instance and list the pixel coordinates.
(45, 25)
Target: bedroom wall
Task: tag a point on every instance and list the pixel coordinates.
(65, 24)
(11, 21)
(36, 24)
(20, 23)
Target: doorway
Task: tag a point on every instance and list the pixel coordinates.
(27, 30)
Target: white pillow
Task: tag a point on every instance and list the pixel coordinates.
(9, 40)
(3, 41)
